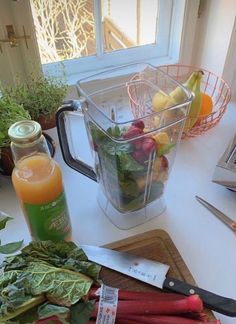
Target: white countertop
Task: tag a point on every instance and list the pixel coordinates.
(207, 246)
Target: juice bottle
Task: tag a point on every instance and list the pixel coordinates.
(37, 180)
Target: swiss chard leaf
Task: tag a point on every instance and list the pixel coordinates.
(15, 295)
(81, 312)
(61, 254)
(11, 247)
(3, 220)
(8, 277)
(47, 310)
(62, 286)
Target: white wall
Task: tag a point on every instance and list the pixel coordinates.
(213, 33)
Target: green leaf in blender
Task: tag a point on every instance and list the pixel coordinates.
(165, 149)
(116, 149)
(128, 163)
(155, 192)
(114, 131)
(129, 187)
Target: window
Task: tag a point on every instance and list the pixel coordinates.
(78, 36)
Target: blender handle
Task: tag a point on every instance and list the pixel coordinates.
(85, 169)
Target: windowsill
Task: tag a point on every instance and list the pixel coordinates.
(73, 78)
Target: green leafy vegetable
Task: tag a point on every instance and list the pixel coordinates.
(44, 271)
(81, 312)
(127, 163)
(165, 149)
(129, 187)
(65, 287)
(116, 149)
(156, 191)
(3, 220)
(114, 131)
(61, 254)
(15, 296)
(47, 310)
(11, 247)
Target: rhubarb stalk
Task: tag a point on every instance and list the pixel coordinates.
(161, 319)
(185, 305)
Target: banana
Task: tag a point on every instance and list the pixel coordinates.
(162, 101)
(178, 94)
(195, 105)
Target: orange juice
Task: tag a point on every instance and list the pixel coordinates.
(37, 180)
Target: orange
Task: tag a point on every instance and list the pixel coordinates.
(206, 106)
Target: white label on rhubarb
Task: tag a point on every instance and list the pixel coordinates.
(108, 302)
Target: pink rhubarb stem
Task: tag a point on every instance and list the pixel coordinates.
(185, 305)
(162, 319)
(139, 295)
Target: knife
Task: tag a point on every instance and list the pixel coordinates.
(224, 218)
(154, 273)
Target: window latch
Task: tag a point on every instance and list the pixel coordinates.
(13, 39)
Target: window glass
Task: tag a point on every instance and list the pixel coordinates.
(76, 37)
(128, 23)
(65, 29)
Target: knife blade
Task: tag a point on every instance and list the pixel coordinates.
(221, 216)
(154, 273)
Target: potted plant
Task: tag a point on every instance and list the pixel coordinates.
(10, 112)
(40, 96)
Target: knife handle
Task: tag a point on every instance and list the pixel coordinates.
(223, 305)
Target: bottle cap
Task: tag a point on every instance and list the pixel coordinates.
(25, 131)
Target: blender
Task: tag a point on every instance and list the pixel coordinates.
(133, 145)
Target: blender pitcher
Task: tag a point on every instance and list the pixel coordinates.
(133, 146)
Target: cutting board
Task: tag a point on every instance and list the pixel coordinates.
(156, 245)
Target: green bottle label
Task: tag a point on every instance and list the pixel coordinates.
(49, 221)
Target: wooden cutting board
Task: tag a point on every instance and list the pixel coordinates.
(156, 245)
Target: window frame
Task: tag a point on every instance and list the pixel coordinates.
(180, 50)
(165, 51)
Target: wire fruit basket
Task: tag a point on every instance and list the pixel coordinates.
(212, 85)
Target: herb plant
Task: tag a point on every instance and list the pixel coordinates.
(40, 96)
(10, 112)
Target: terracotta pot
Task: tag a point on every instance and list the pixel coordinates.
(46, 121)
(6, 161)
